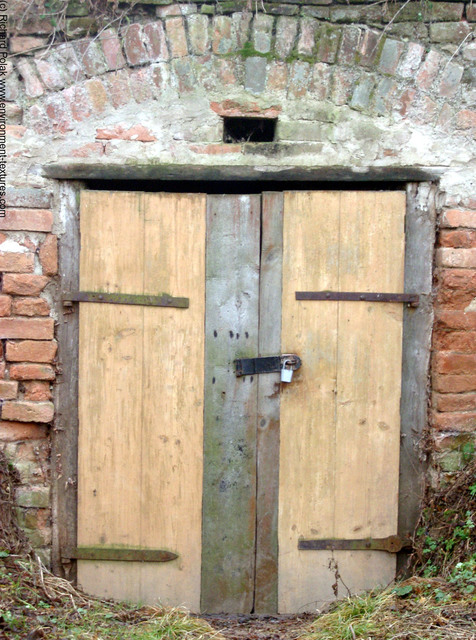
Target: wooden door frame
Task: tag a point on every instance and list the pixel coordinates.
(420, 226)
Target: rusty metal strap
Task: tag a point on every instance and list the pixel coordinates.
(162, 300)
(412, 299)
(392, 544)
(122, 554)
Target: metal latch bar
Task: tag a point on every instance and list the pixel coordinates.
(161, 300)
(122, 554)
(392, 544)
(412, 299)
(266, 364)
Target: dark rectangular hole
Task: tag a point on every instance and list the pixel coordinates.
(248, 129)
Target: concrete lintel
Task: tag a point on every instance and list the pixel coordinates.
(91, 171)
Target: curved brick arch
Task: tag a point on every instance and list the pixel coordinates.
(285, 58)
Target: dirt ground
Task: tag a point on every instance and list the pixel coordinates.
(256, 627)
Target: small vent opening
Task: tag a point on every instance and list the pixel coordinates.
(249, 129)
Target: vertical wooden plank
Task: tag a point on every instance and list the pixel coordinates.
(231, 326)
(307, 449)
(369, 382)
(141, 390)
(110, 388)
(267, 471)
(172, 436)
(64, 453)
(359, 417)
(417, 327)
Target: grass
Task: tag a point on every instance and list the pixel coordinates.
(416, 609)
(35, 604)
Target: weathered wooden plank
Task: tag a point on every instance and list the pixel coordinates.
(110, 390)
(231, 329)
(65, 433)
(141, 406)
(266, 584)
(369, 380)
(307, 449)
(172, 404)
(417, 327)
(346, 483)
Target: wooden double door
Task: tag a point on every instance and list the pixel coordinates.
(227, 474)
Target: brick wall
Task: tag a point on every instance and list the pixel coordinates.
(28, 262)
(353, 86)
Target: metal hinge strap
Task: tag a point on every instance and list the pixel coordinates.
(412, 299)
(121, 554)
(162, 300)
(392, 544)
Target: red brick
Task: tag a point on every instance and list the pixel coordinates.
(466, 119)
(27, 220)
(16, 262)
(119, 90)
(50, 72)
(28, 411)
(31, 351)
(111, 47)
(456, 320)
(429, 70)
(91, 58)
(24, 284)
(134, 45)
(138, 132)
(455, 299)
(156, 41)
(15, 131)
(454, 421)
(15, 431)
(463, 239)
(368, 47)
(222, 36)
(455, 402)
(37, 391)
(28, 371)
(411, 60)
(141, 84)
(30, 328)
(78, 99)
(463, 258)
(33, 86)
(22, 44)
(307, 36)
(97, 94)
(348, 45)
(30, 307)
(176, 37)
(459, 218)
(299, 73)
(59, 113)
(250, 109)
(48, 255)
(277, 76)
(464, 279)
(5, 306)
(448, 362)
(450, 79)
(463, 341)
(320, 80)
(8, 389)
(405, 101)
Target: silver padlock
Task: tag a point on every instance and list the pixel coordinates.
(286, 374)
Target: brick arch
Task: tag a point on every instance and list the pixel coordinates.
(269, 59)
